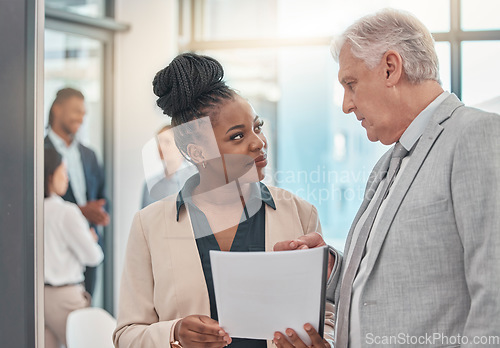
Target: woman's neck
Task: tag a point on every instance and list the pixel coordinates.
(223, 196)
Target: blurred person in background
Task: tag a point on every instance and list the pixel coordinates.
(176, 169)
(69, 245)
(86, 177)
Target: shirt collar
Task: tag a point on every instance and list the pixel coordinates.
(262, 193)
(418, 125)
(58, 142)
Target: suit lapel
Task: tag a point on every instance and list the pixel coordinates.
(379, 172)
(186, 262)
(425, 144)
(87, 165)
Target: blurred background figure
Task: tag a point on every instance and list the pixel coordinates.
(168, 178)
(70, 245)
(86, 178)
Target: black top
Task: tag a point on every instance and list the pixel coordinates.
(250, 236)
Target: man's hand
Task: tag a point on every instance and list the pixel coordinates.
(200, 331)
(307, 241)
(281, 341)
(95, 213)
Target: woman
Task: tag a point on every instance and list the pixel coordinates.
(70, 245)
(167, 297)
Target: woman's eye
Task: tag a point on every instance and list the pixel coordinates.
(237, 136)
(258, 127)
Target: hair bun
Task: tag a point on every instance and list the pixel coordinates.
(188, 77)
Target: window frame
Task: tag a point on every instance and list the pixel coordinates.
(191, 24)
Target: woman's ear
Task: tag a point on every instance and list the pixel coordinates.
(393, 65)
(195, 152)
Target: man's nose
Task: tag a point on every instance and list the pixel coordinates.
(347, 104)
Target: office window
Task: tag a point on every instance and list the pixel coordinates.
(90, 8)
(480, 14)
(276, 52)
(480, 74)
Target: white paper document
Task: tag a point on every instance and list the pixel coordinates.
(259, 293)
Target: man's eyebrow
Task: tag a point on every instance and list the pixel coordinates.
(347, 79)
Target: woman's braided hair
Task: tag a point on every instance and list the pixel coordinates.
(190, 87)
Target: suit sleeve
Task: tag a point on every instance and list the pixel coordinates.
(476, 200)
(313, 225)
(138, 323)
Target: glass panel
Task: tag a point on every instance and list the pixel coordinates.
(229, 19)
(90, 8)
(257, 19)
(76, 61)
(480, 74)
(317, 151)
(346, 12)
(480, 14)
(444, 56)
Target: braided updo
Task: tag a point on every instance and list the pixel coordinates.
(190, 86)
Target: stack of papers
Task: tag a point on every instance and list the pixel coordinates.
(259, 293)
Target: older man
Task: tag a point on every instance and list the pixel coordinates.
(422, 258)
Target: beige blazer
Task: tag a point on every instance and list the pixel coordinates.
(163, 279)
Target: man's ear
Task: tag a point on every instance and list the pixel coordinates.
(56, 110)
(393, 65)
(195, 152)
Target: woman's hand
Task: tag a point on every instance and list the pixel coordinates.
(200, 331)
(94, 235)
(281, 341)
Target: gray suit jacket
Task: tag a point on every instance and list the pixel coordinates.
(435, 265)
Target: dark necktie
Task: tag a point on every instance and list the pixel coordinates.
(344, 303)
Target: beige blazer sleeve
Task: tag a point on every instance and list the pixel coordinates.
(138, 324)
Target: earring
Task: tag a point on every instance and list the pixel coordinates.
(204, 165)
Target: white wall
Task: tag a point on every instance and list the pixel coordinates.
(140, 52)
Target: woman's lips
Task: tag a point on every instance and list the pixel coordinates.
(261, 161)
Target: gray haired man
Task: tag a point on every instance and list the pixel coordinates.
(422, 258)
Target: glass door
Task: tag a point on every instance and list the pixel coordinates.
(80, 57)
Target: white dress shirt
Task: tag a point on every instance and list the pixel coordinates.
(69, 245)
(408, 140)
(72, 156)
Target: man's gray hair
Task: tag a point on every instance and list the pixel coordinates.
(372, 36)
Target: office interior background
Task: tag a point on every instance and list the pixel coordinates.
(275, 52)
